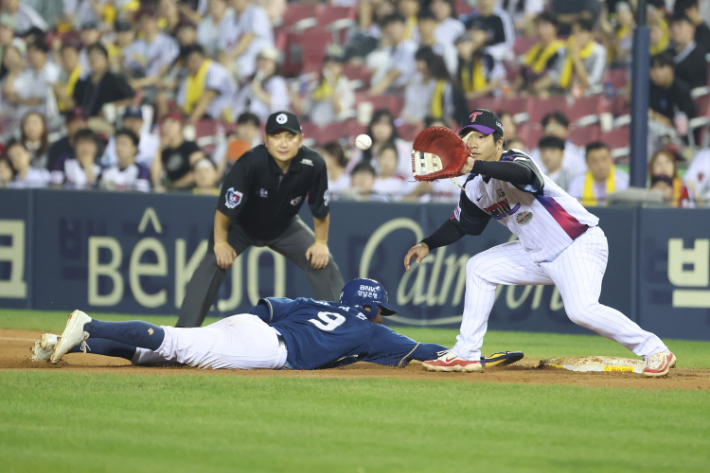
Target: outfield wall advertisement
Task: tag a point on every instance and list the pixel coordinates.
(135, 253)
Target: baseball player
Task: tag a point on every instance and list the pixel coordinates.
(258, 206)
(559, 243)
(299, 334)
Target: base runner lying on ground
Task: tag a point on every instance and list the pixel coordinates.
(302, 334)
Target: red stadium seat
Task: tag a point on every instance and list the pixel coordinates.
(487, 103)
(532, 136)
(618, 138)
(523, 44)
(620, 106)
(514, 105)
(462, 7)
(354, 128)
(619, 78)
(390, 102)
(297, 12)
(582, 136)
(329, 14)
(586, 106)
(408, 131)
(314, 42)
(358, 73)
(702, 105)
(538, 108)
(331, 132)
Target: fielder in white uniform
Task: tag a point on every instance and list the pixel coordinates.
(559, 243)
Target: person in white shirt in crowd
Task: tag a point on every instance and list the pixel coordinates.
(7, 174)
(448, 26)
(388, 183)
(361, 184)
(394, 69)
(500, 32)
(552, 152)
(126, 175)
(383, 132)
(698, 174)
(335, 164)
(26, 177)
(25, 16)
(34, 135)
(603, 178)
(430, 92)
(80, 170)
(14, 61)
(523, 12)
(426, 28)
(208, 89)
(149, 57)
(34, 86)
(244, 37)
(213, 25)
(585, 61)
(206, 178)
(557, 124)
(89, 35)
(330, 98)
(148, 145)
(266, 92)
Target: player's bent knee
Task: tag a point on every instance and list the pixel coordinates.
(475, 268)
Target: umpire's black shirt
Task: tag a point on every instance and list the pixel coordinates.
(262, 200)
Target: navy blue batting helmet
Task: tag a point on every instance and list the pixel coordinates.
(366, 292)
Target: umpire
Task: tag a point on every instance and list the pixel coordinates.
(258, 206)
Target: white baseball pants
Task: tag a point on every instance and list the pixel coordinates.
(242, 341)
(577, 272)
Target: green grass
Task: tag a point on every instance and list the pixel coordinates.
(76, 422)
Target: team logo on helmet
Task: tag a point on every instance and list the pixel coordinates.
(233, 198)
(281, 119)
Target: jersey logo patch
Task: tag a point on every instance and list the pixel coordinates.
(307, 161)
(523, 218)
(233, 198)
(501, 210)
(297, 200)
(501, 194)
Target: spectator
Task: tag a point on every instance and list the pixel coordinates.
(509, 126)
(663, 173)
(14, 60)
(448, 26)
(388, 183)
(243, 38)
(170, 16)
(186, 34)
(89, 36)
(79, 170)
(208, 31)
(68, 77)
(698, 175)
(410, 10)
(63, 148)
(552, 152)
(148, 59)
(498, 28)
(690, 64)
(670, 98)
(7, 26)
(24, 15)
(515, 144)
(656, 19)
(206, 178)
(177, 157)
(125, 37)
(691, 9)
(430, 92)
(585, 60)
(335, 164)
(266, 92)
(101, 87)
(479, 73)
(7, 174)
(126, 174)
(208, 88)
(363, 179)
(34, 135)
(399, 65)
(622, 38)
(245, 137)
(543, 59)
(383, 132)
(602, 179)
(34, 85)
(26, 177)
(332, 98)
(569, 12)
(523, 12)
(556, 124)
(148, 142)
(431, 121)
(426, 29)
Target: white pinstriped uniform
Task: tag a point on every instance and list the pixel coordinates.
(559, 243)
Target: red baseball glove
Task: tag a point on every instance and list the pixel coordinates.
(438, 153)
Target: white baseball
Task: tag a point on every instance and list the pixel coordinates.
(363, 142)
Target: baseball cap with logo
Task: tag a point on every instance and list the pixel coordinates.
(282, 121)
(484, 121)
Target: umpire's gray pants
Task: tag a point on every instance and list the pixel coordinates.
(293, 243)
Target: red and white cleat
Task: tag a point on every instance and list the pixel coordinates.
(658, 364)
(450, 362)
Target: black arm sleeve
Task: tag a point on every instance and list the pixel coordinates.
(522, 173)
(448, 233)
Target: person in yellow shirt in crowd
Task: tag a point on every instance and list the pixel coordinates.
(547, 55)
(602, 179)
(585, 62)
(70, 75)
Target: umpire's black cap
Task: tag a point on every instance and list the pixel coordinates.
(484, 121)
(282, 121)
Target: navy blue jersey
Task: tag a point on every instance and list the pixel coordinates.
(322, 334)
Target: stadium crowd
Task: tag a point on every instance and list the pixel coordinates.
(165, 95)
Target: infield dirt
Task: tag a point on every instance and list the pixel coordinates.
(15, 351)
